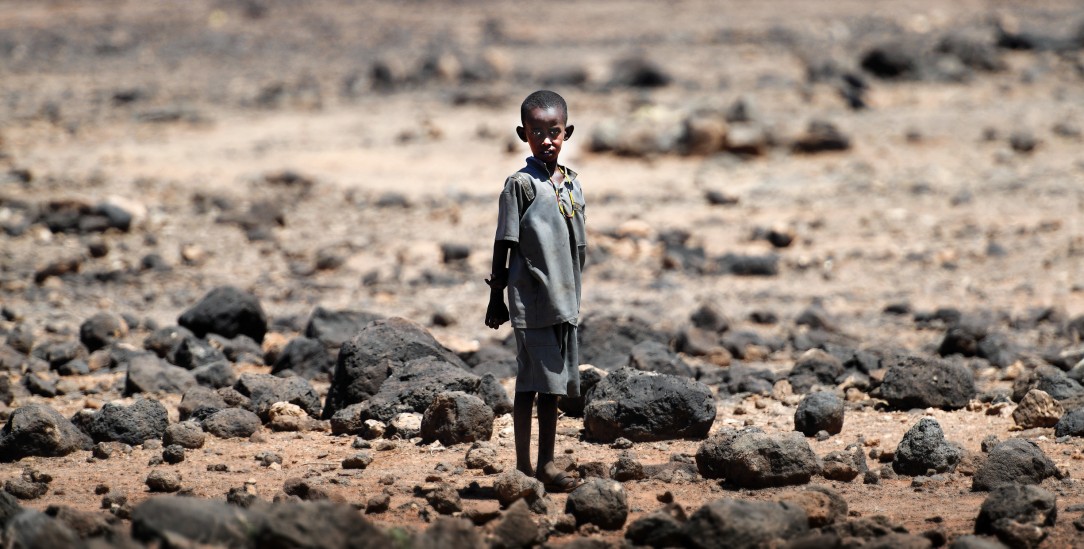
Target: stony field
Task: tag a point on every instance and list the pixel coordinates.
(834, 294)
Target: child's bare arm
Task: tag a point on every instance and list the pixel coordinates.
(497, 311)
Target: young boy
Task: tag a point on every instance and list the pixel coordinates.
(538, 254)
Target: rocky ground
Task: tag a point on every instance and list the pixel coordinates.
(877, 200)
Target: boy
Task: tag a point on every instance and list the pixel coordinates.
(538, 254)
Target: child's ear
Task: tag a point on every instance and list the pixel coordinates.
(568, 131)
(522, 133)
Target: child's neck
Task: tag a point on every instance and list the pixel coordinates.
(551, 167)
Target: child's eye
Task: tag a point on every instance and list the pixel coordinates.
(553, 133)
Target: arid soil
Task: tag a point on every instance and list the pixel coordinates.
(186, 113)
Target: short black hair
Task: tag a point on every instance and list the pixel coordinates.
(543, 99)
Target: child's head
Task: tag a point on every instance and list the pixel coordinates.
(545, 128)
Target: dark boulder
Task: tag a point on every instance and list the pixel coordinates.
(589, 377)
(494, 395)
(600, 502)
(748, 265)
(643, 407)
(924, 448)
(33, 529)
(165, 341)
(452, 533)
(316, 525)
(369, 357)
(744, 524)
(662, 528)
(193, 352)
(1070, 424)
(607, 340)
(819, 412)
(232, 423)
(1049, 379)
(918, 382)
(263, 390)
(655, 356)
(333, 328)
(1020, 515)
(163, 519)
(304, 357)
(38, 430)
(893, 60)
(815, 367)
(216, 374)
(226, 311)
(102, 329)
(200, 402)
(455, 418)
(149, 374)
(144, 419)
(1014, 461)
(751, 458)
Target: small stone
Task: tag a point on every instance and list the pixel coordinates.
(173, 454)
(360, 460)
(621, 443)
(378, 504)
(163, 481)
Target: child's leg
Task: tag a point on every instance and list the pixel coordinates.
(547, 434)
(521, 425)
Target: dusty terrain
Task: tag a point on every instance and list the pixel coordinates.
(184, 111)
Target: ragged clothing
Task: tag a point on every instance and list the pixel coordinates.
(548, 224)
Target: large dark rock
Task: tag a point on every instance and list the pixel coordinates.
(193, 352)
(517, 528)
(226, 311)
(917, 382)
(263, 390)
(413, 386)
(600, 502)
(655, 356)
(200, 402)
(367, 360)
(589, 377)
(144, 419)
(1021, 515)
(216, 374)
(316, 525)
(149, 374)
(1014, 461)
(607, 341)
(971, 336)
(304, 357)
(1070, 424)
(38, 430)
(333, 328)
(751, 458)
(102, 329)
(165, 341)
(893, 60)
(232, 423)
(744, 524)
(33, 529)
(9, 507)
(162, 519)
(815, 367)
(924, 448)
(662, 528)
(819, 412)
(456, 417)
(1049, 379)
(453, 533)
(642, 406)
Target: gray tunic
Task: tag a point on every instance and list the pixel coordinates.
(544, 267)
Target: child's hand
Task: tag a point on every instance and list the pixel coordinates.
(497, 312)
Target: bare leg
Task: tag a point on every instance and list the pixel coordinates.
(547, 435)
(521, 425)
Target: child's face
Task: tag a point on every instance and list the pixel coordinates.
(545, 131)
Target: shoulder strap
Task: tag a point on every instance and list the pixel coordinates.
(525, 185)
